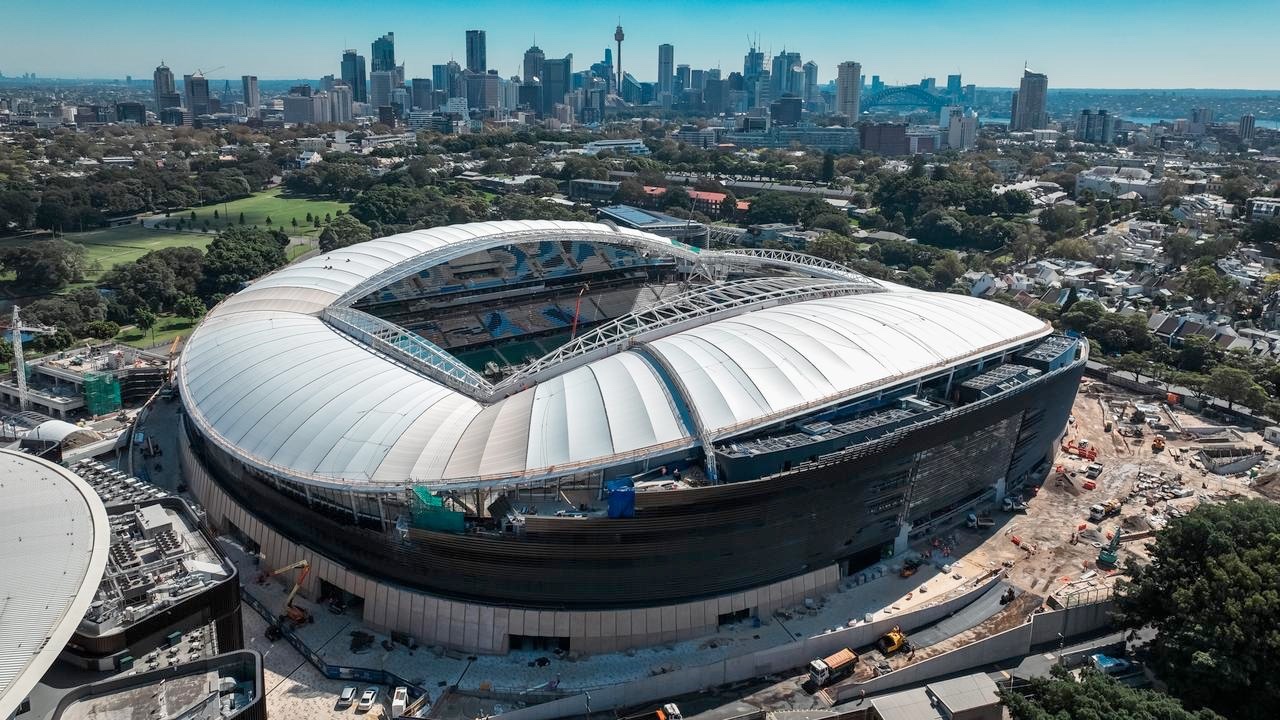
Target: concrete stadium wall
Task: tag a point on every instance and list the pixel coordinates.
(1042, 628)
(477, 628)
(781, 658)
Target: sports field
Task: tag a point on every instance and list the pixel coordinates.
(270, 204)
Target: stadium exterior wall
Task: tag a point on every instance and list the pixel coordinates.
(483, 628)
(464, 595)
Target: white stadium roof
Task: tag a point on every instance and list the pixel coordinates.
(270, 381)
(54, 538)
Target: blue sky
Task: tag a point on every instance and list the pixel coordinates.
(1085, 43)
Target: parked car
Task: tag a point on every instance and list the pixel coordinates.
(347, 696)
(367, 700)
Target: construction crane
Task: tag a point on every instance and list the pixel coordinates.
(296, 615)
(16, 328)
(173, 353)
(205, 73)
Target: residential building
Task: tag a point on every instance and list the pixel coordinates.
(163, 88)
(1201, 119)
(1118, 182)
(340, 99)
(252, 98)
(1098, 127)
(476, 61)
(354, 75)
(961, 129)
(834, 139)
(1246, 127)
(196, 88)
(848, 90)
(1263, 207)
(1029, 102)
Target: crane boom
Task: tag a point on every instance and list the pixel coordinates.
(19, 361)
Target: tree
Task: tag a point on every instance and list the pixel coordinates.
(190, 306)
(828, 167)
(241, 218)
(1235, 386)
(1209, 593)
(344, 231)
(294, 222)
(946, 270)
(834, 222)
(1059, 221)
(45, 264)
(215, 213)
(101, 329)
(145, 320)
(268, 221)
(1132, 362)
(677, 196)
(1094, 697)
(238, 255)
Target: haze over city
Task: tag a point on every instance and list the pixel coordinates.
(1090, 44)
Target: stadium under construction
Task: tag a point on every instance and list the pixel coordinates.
(537, 434)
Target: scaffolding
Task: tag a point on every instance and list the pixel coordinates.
(101, 393)
(429, 513)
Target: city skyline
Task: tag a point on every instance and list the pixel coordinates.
(988, 48)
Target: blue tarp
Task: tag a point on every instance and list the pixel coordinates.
(622, 498)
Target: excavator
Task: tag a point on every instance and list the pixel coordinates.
(293, 613)
(1107, 556)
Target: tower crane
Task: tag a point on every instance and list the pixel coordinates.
(205, 73)
(295, 614)
(16, 328)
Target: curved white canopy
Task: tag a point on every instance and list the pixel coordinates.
(275, 385)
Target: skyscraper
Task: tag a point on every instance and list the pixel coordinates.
(1246, 127)
(752, 66)
(666, 68)
(849, 90)
(196, 88)
(955, 87)
(533, 60)
(1098, 127)
(383, 55)
(1201, 119)
(380, 84)
(476, 61)
(252, 99)
(788, 75)
(422, 93)
(354, 75)
(1028, 108)
(810, 82)
(556, 81)
(166, 92)
(684, 78)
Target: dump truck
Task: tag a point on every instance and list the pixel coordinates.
(1157, 443)
(1098, 513)
(832, 667)
(892, 641)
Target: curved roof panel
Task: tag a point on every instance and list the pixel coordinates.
(54, 538)
(273, 383)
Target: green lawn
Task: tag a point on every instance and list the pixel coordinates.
(125, 244)
(269, 204)
(166, 329)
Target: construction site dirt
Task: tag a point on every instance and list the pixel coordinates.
(1050, 542)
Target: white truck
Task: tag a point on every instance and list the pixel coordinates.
(399, 701)
(832, 667)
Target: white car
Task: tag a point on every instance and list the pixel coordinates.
(367, 699)
(347, 696)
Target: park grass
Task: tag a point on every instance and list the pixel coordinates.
(269, 204)
(113, 246)
(167, 328)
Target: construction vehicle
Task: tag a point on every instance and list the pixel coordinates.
(293, 613)
(1157, 443)
(1014, 504)
(832, 667)
(1107, 555)
(669, 711)
(976, 521)
(1098, 513)
(892, 641)
(1084, 450)
(1093, 471)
